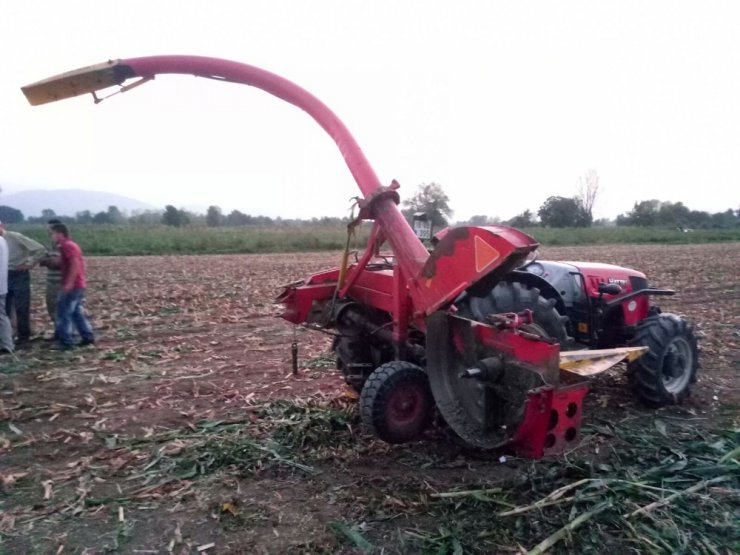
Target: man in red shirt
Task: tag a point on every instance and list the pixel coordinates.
(70, 302)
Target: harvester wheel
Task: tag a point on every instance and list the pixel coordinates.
(516, 297)
(396, 402)
(663, 375)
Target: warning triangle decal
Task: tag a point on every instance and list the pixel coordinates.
(485, 254)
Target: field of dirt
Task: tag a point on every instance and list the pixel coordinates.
(138, 445)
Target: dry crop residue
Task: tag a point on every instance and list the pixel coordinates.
(184, 430)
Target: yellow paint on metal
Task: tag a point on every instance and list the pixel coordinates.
(73, 83)
(590, 363)
(343, 270)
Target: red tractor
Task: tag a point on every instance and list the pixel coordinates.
(470, 329)
(600, 306)
(582, 305)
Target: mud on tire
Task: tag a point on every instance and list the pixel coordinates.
(665, 373)
(396, 403)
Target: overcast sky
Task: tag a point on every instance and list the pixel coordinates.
(502, 103)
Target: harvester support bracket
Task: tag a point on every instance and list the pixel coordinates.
(367, 205)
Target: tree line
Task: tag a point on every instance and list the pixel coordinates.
(561, 212)
(430, 199)
(170, 216)
(574, 211)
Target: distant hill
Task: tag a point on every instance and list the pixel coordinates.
(67, 202)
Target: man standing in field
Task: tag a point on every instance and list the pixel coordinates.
(6, 332)
(70, 302)
(23, 254)
(53, 274)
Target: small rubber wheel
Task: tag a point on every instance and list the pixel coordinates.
(396, 403)
(664, 374)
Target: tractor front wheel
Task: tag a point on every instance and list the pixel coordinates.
(663, 375)
(396, 402)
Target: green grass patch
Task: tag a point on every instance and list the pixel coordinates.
(644, 485)
(14, 364)
(281, 435)
(659, 486)
(666, 488)
(629, 235)
(124, 240)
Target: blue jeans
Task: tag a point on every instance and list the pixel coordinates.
(69, 311)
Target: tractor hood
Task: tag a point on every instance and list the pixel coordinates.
(595, 274)
(596, 268)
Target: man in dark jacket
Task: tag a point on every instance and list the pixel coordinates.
(23, 254)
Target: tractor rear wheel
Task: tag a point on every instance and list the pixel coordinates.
(396, 402)
(516, 297)
(663, 375)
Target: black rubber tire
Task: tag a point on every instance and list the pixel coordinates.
(515, 297)
(663, 375)
(396, 403)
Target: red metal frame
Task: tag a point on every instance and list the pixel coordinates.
(552, 421)
(510, 342)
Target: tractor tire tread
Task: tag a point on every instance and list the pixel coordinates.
(645, 374)
(513, 296)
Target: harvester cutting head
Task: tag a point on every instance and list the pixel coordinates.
(401, 339)
(484, 392)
